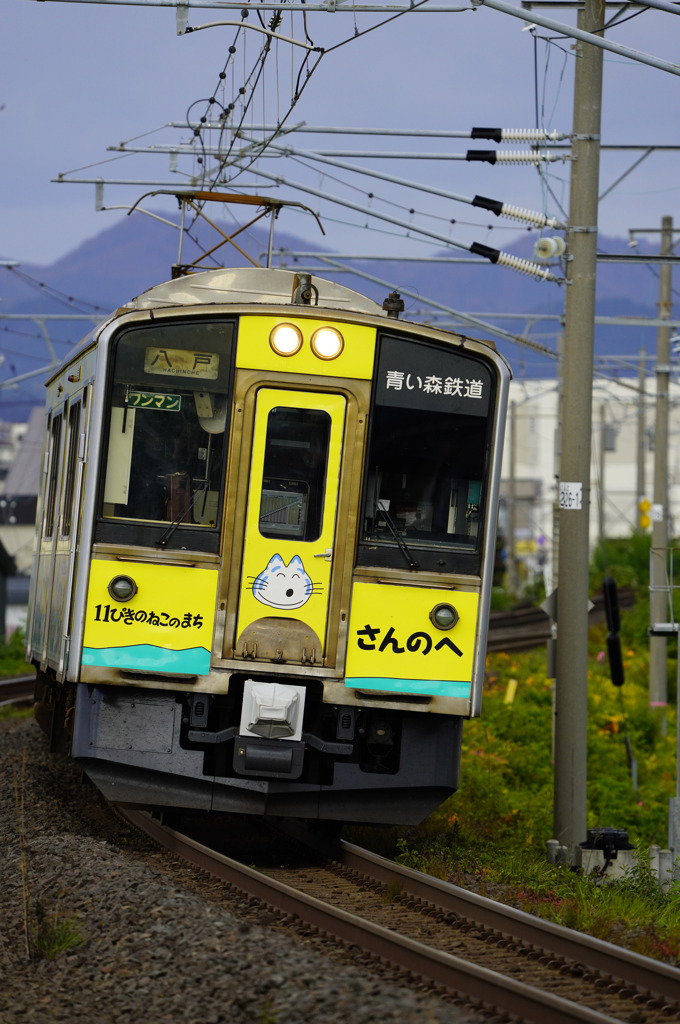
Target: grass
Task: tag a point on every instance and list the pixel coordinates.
(54, 933)
(492, 833)
(12, 656)
(46, 934)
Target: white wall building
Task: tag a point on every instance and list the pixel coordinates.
(620, 416)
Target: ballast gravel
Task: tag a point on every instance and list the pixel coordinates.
(161, 942)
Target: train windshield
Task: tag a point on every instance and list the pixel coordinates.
(427, 464)
(168, 422)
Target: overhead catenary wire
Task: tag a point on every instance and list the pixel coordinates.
(493, 255)
(495, 206)
(246, 92)
(49, 290)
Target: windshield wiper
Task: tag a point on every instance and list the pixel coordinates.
(401, 543)
(170, 530)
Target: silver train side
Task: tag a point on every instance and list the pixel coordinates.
(265, 547)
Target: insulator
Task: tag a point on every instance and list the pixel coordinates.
(547, 248)
(530, 135)
(530, 216)
(506, 259)
(523, 156)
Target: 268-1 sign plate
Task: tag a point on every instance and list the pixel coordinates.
(571, 495)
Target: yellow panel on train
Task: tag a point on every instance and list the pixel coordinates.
(166, 626)
(355, 360)
(394, 646)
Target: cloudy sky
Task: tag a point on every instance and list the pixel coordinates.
(76, 78)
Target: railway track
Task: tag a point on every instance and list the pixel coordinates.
(485, 954)
(523, 628)
(17, 690)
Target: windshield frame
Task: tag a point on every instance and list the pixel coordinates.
(393, 407)
(143, 532)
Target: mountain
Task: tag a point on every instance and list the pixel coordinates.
(137, 252)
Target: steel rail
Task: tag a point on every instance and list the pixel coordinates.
(458, 976)
(647, 975)
(16, 689)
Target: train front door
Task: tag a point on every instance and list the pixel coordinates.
(290, 531)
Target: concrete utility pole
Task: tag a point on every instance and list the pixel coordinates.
(602, 491)
(512, 506)
(572, 594)
(658, 680)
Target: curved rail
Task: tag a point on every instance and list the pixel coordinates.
(17, 689)
(614, 961)
(459, 976)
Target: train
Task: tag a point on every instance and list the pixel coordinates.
(265, 542)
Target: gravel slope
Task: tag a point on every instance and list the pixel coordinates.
(162, 942)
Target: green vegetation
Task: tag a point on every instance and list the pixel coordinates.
(46, 935)
(12, 657)
(492, 833)
(52, 934)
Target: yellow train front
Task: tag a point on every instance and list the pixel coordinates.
(265, 550)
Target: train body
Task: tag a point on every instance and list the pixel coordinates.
(265, 545)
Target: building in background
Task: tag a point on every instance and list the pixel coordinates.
(623, 422)
(18, 501)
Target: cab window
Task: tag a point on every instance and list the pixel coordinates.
(427, 461)
(167, 424)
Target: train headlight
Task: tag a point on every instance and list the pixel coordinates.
(122, 588)
(327, 343)
(286, 339)
(444, 616)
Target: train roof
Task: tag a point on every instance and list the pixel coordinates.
(249, 285)
(242, 286)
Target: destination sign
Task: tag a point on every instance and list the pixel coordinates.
(429, 378)
(181, 362)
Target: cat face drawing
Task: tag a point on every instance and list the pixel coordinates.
(283, 586)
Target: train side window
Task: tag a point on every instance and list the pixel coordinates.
(71, 467)
(53, 478)
(294, 477)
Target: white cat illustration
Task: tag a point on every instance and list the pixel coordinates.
(283, 586)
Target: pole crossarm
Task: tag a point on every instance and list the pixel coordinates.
(495, 206)
(326, 7)
(41, 320)
(94, 318)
